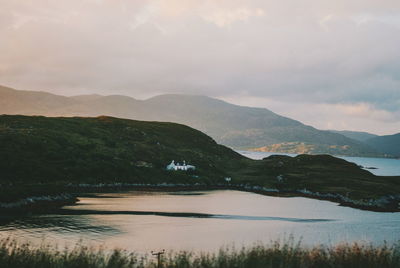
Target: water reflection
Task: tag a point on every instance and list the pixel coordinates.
(203, 220)
(59, 224)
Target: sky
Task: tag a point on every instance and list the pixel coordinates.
(329, 64)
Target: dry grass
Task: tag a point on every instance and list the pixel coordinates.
(276, 254)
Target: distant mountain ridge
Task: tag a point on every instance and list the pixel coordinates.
(388, 144)
(355, 135)
(232, 125)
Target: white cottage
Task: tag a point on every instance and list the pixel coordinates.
(178, 166)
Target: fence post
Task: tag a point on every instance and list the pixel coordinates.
(158, 254)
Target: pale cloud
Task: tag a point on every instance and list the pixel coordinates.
(220, 13)
(224, 18)
(325, 20)
(319, 53)
(364, 110)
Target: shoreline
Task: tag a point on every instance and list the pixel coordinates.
(312, 153)
(37, 204)
(50, 203)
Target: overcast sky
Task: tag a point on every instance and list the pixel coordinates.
(330, 64)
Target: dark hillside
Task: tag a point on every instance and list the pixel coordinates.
(40, 149)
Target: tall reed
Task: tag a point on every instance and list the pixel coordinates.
(276, 254)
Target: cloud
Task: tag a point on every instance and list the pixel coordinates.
(223, 18)
(309, 51)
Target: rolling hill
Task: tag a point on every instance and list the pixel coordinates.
(43, 155)
(72, 149)
(236, 126)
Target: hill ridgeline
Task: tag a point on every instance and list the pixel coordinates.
(235, 126)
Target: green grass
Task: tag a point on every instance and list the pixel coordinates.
(276, 254)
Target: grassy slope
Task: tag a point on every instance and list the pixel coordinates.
(318, 173)
(57, 151)
(325, 173)
(104, 149)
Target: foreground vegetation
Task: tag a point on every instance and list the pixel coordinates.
(289, 254)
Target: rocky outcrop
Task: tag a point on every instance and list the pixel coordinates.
(38, 203)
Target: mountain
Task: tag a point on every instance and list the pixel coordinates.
(245, 127)
(355, 135)
(389, 144)
(232, 125)
(30, 102)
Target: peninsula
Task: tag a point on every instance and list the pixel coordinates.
(48, 160)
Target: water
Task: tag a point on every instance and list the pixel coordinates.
(204, 221)
(382, 166)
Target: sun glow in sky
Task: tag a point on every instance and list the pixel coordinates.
(330, 64)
